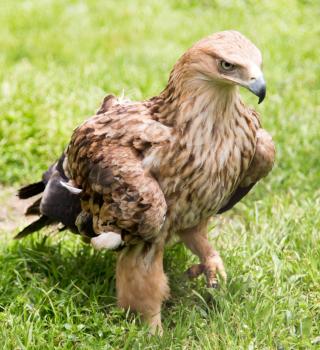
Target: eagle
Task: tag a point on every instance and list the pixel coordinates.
(137, 175)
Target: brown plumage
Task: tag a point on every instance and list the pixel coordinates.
(152, 170)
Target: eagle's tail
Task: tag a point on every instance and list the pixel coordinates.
(34, 227)
(31, 190)
(59, 202)
(34, 208)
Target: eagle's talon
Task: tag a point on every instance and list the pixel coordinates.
(195, 271)
(213, 267)
(214, 285)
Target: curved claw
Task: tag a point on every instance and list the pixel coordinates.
(212, 267)
(195, 270)
(220, 267)
(214, 285)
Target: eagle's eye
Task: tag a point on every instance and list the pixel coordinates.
(226, 66)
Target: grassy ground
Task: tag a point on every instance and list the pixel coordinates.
(58, 59)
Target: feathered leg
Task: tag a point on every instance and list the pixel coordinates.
(196, 239)
(141, 282)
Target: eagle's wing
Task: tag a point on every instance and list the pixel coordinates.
(261, 165)
(105, 160)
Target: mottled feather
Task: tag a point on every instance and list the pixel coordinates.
(160, 168)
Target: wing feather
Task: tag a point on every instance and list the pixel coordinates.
(105, 160)
(261, 165)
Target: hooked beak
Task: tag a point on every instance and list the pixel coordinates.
(258, 87)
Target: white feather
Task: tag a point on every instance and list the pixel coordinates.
(122, 99)
(70, 188)
(106, 240)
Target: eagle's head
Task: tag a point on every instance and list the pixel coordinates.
(226, 59)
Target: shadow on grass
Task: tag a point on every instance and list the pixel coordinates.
(55, 276)
(36, 266)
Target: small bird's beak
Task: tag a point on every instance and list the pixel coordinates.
(258, 87)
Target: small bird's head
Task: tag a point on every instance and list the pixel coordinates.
(227, 58)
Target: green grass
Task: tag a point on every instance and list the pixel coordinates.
(58, 59)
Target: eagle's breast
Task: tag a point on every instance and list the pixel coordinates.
(198, 178)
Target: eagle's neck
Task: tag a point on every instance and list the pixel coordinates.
(210, 123)
(195, 106)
